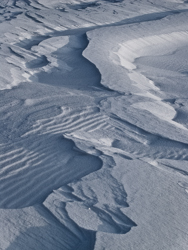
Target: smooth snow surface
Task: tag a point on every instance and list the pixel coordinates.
(94, 125)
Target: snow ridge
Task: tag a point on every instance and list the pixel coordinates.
(93, 142)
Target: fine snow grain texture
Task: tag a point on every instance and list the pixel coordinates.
(94, 127)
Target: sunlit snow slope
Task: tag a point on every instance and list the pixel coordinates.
(94, 125)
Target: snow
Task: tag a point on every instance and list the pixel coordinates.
(94, 127)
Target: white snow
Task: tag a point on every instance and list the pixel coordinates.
(94, 127)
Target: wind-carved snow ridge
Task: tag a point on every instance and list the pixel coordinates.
(93, 135)
(50, 161)
(147, 46)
